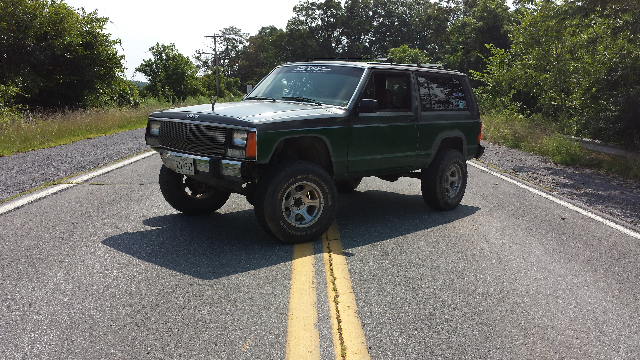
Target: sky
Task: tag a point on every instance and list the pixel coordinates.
(140, 24)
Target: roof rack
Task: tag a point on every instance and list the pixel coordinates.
(381, 61)
(435, 66)
(355, 59)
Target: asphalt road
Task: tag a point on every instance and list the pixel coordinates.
(106, 269)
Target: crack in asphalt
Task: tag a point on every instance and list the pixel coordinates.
(336, 301)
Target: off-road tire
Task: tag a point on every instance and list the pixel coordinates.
(347, 186)
(190, 196)
(445, 180)
(296, 202)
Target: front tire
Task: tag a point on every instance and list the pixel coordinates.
(188, 195)
(445, 180)
(296, 202)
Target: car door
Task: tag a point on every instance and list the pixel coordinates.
(385, 141)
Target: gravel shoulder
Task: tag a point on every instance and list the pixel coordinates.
(25, 171)
(616, 197)
(608, 194)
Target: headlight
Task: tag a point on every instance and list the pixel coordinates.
(239, 138)
(154, 128)
(243, 145)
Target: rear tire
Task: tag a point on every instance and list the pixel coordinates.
(188, 195)
(296, 202)
(445, 180)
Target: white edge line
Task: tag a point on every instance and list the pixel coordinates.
(26, 199)
(561, 202)
(103, 170)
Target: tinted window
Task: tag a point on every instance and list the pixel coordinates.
(391, 90)
(439, 93)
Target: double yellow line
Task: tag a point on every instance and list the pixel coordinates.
(303, 340)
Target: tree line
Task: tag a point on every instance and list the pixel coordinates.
(575, 63)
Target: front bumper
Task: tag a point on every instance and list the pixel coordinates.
(230, 174)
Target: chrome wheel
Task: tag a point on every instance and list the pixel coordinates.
(444, 182)
(302, 204)
(452, 180)
(295, 201)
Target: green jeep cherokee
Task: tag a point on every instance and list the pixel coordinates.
(310, 130)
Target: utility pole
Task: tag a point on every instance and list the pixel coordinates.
(215, 59)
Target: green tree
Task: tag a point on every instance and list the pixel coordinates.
(264, 51)
(56, 56)
(575, 64)
(171, 75)
(356, 29)
(314, 31)
(228, 87)
(477, 23)
(430, 23)
(391, 26)
(231, 43)
(406, 55)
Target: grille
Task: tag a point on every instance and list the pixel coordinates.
(192, 138)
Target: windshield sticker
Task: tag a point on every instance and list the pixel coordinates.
(311, 69)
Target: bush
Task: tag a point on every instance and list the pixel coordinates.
(578, 67)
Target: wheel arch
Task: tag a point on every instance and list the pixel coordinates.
(454, 139)
(311, 148)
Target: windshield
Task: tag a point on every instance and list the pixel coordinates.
(318, 84)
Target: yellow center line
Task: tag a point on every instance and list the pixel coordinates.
(348, 337)
(303, 341)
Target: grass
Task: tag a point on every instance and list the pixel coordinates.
(540, 137)
(21, 133)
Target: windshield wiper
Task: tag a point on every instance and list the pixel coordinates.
(301, 99)
(260, 98)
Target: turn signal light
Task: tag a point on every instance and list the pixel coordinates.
(252, 146)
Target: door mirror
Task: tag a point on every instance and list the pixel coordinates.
(368, 106)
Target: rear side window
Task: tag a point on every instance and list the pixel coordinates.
(439, 93)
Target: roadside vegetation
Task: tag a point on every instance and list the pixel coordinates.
(542, 69)
(32, 131)
(539, 136)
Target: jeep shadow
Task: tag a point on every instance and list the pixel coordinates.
(219, 245)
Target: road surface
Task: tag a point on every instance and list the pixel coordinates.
(105, 268)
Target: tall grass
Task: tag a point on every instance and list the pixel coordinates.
(540, 136)
(25, 132)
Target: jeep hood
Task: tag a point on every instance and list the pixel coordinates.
(251, 112)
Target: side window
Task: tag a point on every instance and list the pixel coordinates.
(438, 93)
(391, 90)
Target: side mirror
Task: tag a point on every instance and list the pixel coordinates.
(368, 106)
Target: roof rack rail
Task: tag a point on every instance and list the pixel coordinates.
(438, 66)
(389, 61)
(379, 61)
(354, 59)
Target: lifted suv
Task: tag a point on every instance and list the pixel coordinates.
(310, 130)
